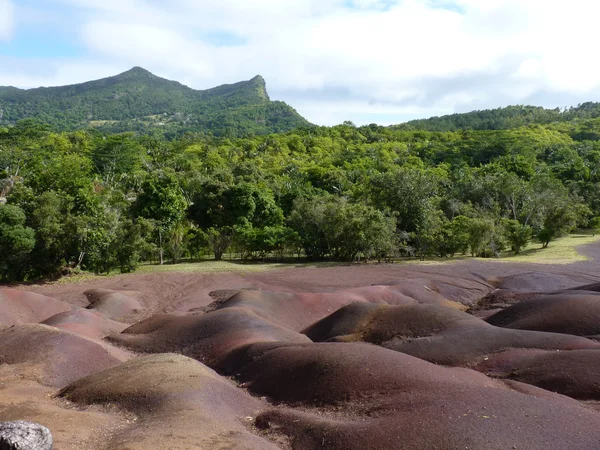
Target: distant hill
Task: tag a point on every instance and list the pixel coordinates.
(503, 118)
(137, 100)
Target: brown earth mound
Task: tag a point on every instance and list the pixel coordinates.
(364, 397)
(336, 395)
(85, 322)
(179, 402)
(55, 357)
(435, 333)
(72, 428)
(205, 337)
(384, 323)
(594, 287)
(123, 306)
(539, 281)
(18, 307)
(498, 300)
(298, 310)
(568, 312)
(575, 373)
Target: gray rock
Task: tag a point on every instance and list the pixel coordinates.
(21, 435)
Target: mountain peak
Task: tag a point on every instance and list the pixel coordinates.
(259, 83)
(139, 100)
(136, 71)
(258, 79)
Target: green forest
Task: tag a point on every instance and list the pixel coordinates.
(141, 102)
(101, 202)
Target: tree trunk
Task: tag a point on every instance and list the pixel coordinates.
(80, 260)
(160, 247)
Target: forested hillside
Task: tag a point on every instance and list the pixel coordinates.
(100, 202)
(504, 118)
(142, 102)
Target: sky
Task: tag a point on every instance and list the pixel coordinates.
(368, 61)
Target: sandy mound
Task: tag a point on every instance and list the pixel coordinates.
(369, 397)
(345, 321)
(86, 323)
(298, 310)
(435, 333)
(52, 356)
(384, 323)
(575, 373)
(71, 428)
(569, 312)
(18, 307)
(338, 394)
(205, 337)
(179, 402)
(539, 281)
(122, 306)
(594, 287)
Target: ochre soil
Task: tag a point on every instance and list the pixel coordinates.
(468, 355)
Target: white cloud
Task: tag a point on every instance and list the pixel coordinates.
(7, 19)
(334, 62)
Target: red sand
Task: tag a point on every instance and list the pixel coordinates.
(308, 395)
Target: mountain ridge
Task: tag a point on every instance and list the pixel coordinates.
(503, 118)
(138, 100)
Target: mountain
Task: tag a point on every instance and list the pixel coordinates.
(138, 100)
(503, 118)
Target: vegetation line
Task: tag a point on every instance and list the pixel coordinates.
(81, 200)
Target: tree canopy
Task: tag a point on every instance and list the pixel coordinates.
(102, 201)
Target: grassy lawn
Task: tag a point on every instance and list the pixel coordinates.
(561, 251)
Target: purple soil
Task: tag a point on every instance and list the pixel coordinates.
(575, 373)
(298, 310)
(86, 323)
(205, 337)
(122, 306)
(568, 312)
(60, 357)
(179, 403)
(435, 333)
(356, 396)
(305, 395)
(18, 307)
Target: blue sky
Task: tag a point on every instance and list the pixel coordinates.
(383, 61)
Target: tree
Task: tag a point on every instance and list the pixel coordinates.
(131, 243)
(517, 234)
(219, 240)
(429, 233)
(16, 243)
(595, 225)
(330, 225)
(219, 208)
(162, 201)
(481, 237)
(308, 218)
(406, 191)
(561, 218)
(176, 243)
(50, 214)
(456, 236)
(116, 155)
(258, 243)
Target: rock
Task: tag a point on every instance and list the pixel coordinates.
(23, 435)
